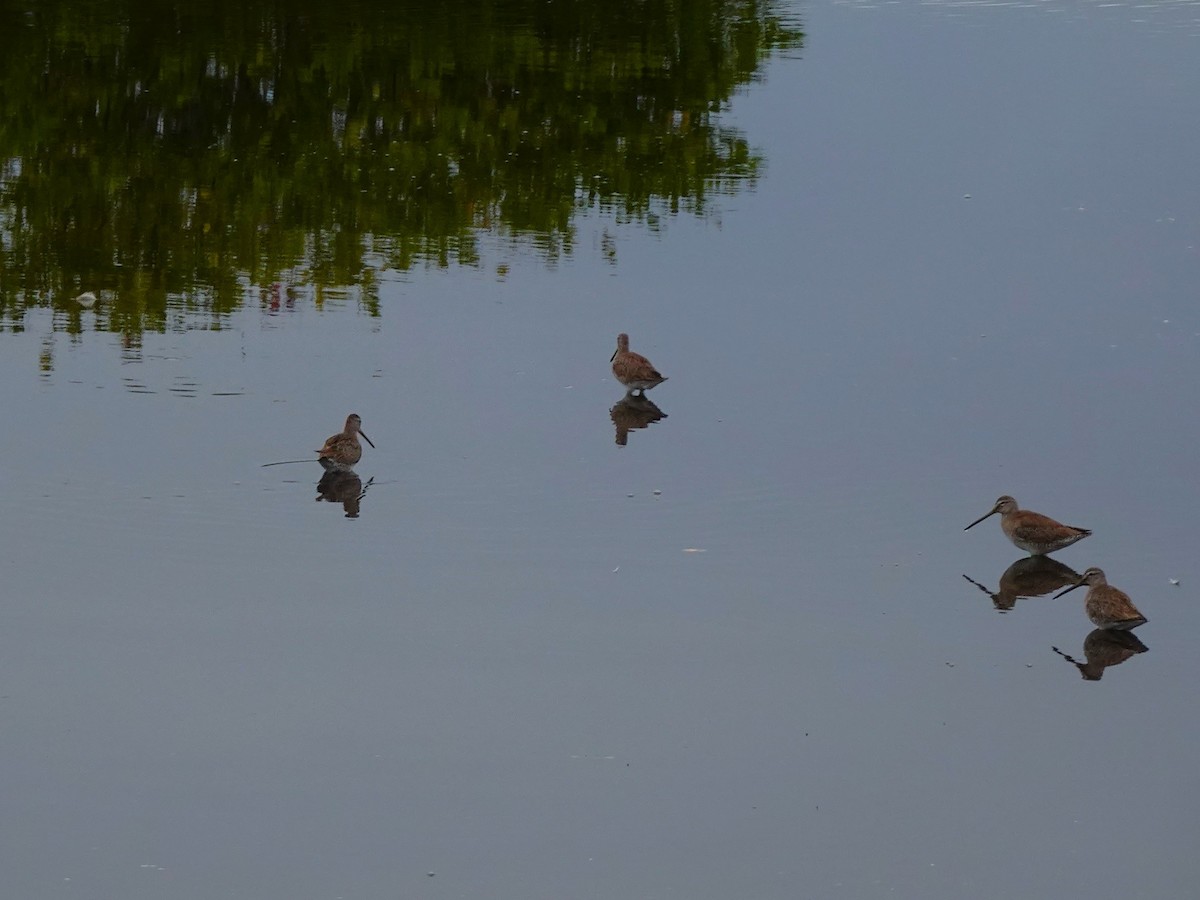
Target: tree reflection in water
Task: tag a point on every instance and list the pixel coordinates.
(174, 158)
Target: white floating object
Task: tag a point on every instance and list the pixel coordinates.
(657, 493)
(87, 299)
(694, 550)
(1174, 581)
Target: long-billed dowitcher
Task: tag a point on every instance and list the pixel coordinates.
(632, 369)
(1107, 606)
(1032, 532)
(343, 450)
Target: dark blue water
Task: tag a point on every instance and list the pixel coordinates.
(735, 657)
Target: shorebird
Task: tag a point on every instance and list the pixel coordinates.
(1106, 606)
(1032, 532)
(632, 369)
(343, 450)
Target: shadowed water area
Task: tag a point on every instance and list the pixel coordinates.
(548, 639)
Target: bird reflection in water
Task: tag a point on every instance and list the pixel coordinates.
(345, 487)
(1029, 576)
(631, 412)
(1102, 648)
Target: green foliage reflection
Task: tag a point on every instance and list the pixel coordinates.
(191, 151)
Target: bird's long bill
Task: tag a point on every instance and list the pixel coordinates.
(1067, 590)
(614, 356)
(980, 519)
(365, 438)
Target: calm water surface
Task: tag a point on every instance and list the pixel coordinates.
(895, 262)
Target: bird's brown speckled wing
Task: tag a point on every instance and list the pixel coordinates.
(1038, 529)
(635, 367)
